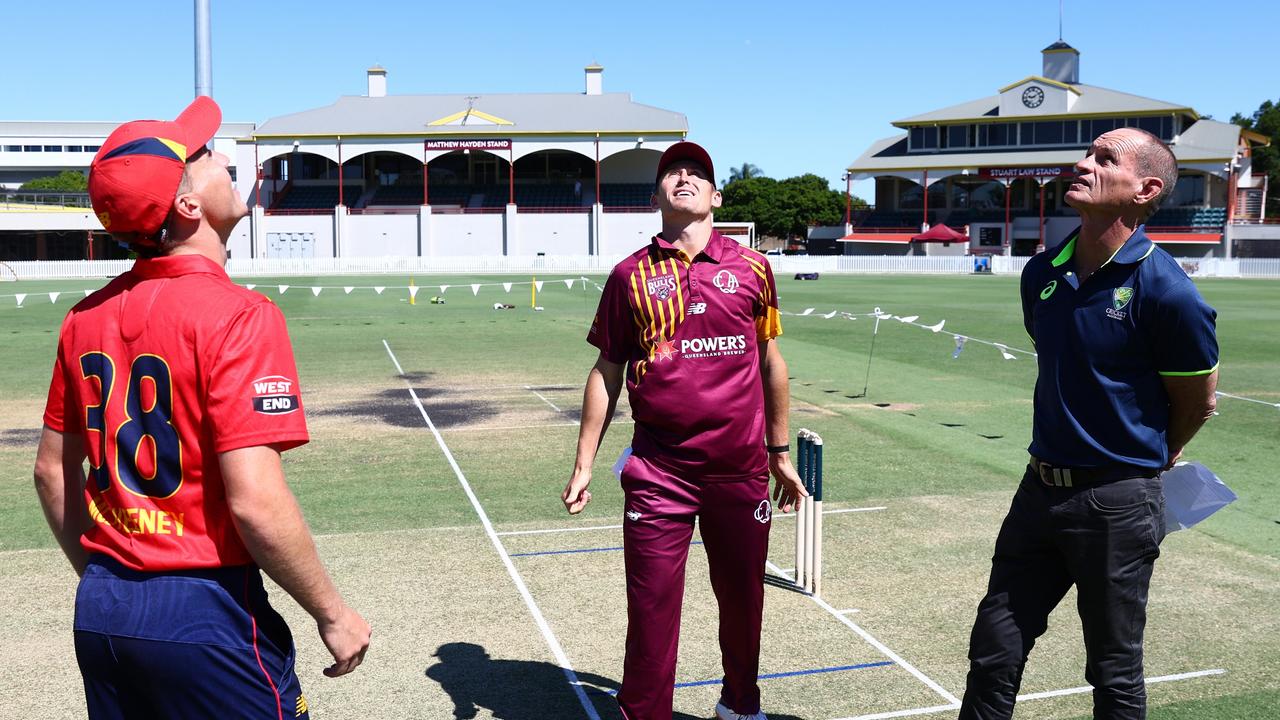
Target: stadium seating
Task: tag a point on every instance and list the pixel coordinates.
(894, 219)
(1197, 217)
(315, 197)
(625, 194)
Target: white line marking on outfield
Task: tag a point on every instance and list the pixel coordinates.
(543, 398)
(547, 635)
(878, 645)
(561, 530)
(833, 512)
(495, 428)
(1030, 696)
(1089, 688)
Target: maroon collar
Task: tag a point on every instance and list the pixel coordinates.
(713, 252)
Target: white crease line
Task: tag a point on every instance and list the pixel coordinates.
(878, 645)
(541, 622)
(1089, 688)
(560, 530)
(543, 398)
(849, 611)
(495, 428)
(833, 512)
(906, 713)
(1031, 696)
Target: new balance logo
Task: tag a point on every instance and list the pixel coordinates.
(697, 308)
(633, 515)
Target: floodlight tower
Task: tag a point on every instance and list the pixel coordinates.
(204, 50)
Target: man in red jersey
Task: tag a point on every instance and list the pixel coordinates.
(180, 389)
(689, 322)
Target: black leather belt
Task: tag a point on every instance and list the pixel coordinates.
(1059, 476)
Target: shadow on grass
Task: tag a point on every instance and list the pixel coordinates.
(523, 689)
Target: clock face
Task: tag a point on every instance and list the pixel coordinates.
(1033, 96)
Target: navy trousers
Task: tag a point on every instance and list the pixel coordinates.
(183, 644)
(1103, 539)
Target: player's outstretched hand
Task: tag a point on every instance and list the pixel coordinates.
(347, 639)
(787, 486)
(576, 495)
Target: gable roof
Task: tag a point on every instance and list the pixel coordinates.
(503, 114)
(1093, 100)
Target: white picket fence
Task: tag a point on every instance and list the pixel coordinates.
(597, 265)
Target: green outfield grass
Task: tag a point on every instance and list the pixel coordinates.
(938, 442)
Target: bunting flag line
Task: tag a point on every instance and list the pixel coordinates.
(53, 297)
(86, 292)
(568, 283)
(475, 288)
(413, 291)
(379, 288)
(506, 286)
(315, 291)
(960, 341)
(538, 284)
(347, 289)
(282, 288)
(20, 297)
(444, 289)
(250, 286)
(1004, 352)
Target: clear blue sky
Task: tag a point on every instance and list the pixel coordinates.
(793, 87)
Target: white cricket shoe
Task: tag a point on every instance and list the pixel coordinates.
(724, 713)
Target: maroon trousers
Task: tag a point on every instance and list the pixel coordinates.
(734, 518)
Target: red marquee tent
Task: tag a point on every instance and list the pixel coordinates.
(940, 233)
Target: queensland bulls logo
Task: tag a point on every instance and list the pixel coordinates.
(726, 281)
(662, 286)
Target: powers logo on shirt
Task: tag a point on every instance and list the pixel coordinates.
(713, 346)
(274, 395)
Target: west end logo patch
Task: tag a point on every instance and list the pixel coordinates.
(661, 287)
(726, 281)
(274, 395)
(1121, 297)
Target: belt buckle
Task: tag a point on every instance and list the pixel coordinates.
(1053, 476)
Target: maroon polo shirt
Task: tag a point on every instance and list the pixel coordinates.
(688, 332)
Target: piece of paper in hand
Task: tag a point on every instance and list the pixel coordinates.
(1192, 493)
(622, 461)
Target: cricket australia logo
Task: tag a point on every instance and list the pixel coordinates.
(726, 281)
(764, 511)
(1120, 298)
(664, 350)
(661, 287)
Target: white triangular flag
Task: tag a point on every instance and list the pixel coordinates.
(807, 311)
(53, 297)
(250, 286)
(938, 327)
(86, 293)
(538, 285)
(413, 291)
(20, 297)
(347, 289)
(315, 291)
(909, 318)
(1004, 351)
(569, 283)
(506, 286)
(475, 288)
(830, 315)
(282, 288)
(444, 289)
(378, 289)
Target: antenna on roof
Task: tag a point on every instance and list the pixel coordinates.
(1059, 20)
(471, 101)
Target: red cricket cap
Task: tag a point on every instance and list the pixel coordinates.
(134, 178)
(685, 150)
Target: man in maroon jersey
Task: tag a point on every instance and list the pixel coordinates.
(180, 389)
(689, 322)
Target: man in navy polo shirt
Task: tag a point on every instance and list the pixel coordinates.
(689, 322)
(1128, 363)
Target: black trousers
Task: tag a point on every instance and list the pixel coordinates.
(1103, 539)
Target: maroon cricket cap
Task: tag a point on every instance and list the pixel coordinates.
(134, 178)
(685, 150)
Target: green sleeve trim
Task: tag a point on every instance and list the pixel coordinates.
(1188, 374)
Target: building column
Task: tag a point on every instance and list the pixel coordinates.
(426, 238)
(510, 231)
